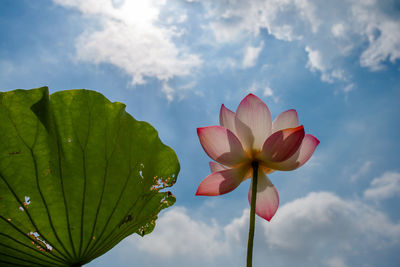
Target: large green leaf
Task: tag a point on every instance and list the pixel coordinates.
(77, 175)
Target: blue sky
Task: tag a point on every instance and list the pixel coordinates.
(174, 62)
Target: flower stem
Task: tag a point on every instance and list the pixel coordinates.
(252, 214)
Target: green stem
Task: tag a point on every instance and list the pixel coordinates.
(252, 214)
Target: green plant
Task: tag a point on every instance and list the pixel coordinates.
(77, 175)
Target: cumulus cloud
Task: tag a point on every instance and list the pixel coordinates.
(251, 55)
(316, 62)
(381, 31)
(319, 229)
(179, 235)
(145, 38)
(132, 37)
(322, 221)
(329, 31)
(385, 186)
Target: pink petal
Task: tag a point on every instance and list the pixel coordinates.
(267, 199)
(221, 145)
(253, 122)
(227, 119)
(216, 167)
(303, 154)
(221, 182)
(287, 119)
(282, 144)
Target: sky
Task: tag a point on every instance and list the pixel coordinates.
(174, 62)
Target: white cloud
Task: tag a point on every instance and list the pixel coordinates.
(179, 235)
(132, 38)
(364, 169)
(316, 62)
(269, 93)
(168, 91)
(324, 220)
(319, 229)
(238, 18)
(336, 262)
(264, 89)
(338, 30)
(348, 88)
(251, 55)
(329, 31)
(381, 31)
(385, 186)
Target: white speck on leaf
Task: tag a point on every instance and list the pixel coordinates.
(27, 201)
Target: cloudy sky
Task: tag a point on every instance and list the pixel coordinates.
(174, 62)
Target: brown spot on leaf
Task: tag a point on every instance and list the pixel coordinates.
(36, 236)
(127, 219)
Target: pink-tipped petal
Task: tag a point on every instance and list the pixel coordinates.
(227, 118)
(282, 144)
(253, 122)
(267, 199)
(303, 154)
(287, 119)
(221, 145)
(221, 182)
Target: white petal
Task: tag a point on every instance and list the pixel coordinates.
(227, 119)
(253, 122)
(267, 199)
(221, 182)
(221, 145)
(287, 119)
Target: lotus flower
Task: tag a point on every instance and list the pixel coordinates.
(250, 136)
